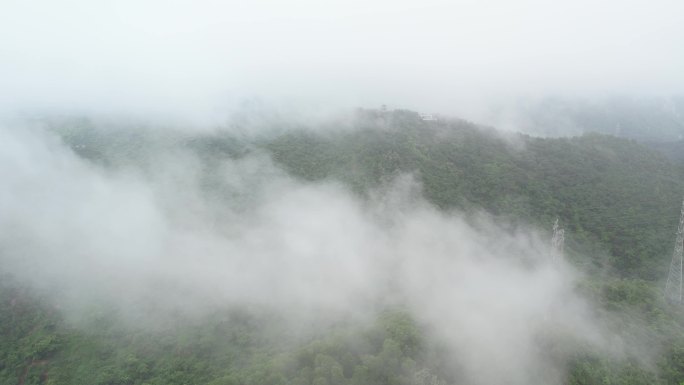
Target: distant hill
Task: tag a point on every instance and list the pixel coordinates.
(673, 150)
(645, 119)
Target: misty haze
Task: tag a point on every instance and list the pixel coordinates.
(341, 192)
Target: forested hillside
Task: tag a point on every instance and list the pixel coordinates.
(614, 191)
(617, 199)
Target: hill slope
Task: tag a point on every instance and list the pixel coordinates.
(618, 200)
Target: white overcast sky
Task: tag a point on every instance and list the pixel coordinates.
(198, 57)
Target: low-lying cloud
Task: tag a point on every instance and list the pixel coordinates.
(152, 240)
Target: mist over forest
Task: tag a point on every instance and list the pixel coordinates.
(345, 193)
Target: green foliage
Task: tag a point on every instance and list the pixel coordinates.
(237, 354)
(617, 199)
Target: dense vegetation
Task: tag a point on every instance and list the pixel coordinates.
(618, 200)
(230, 347)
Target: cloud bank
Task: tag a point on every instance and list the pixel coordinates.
(151, 240)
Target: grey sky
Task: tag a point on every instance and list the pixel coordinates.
(198, 58)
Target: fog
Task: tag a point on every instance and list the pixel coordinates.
(150, 241)
(198, 60)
